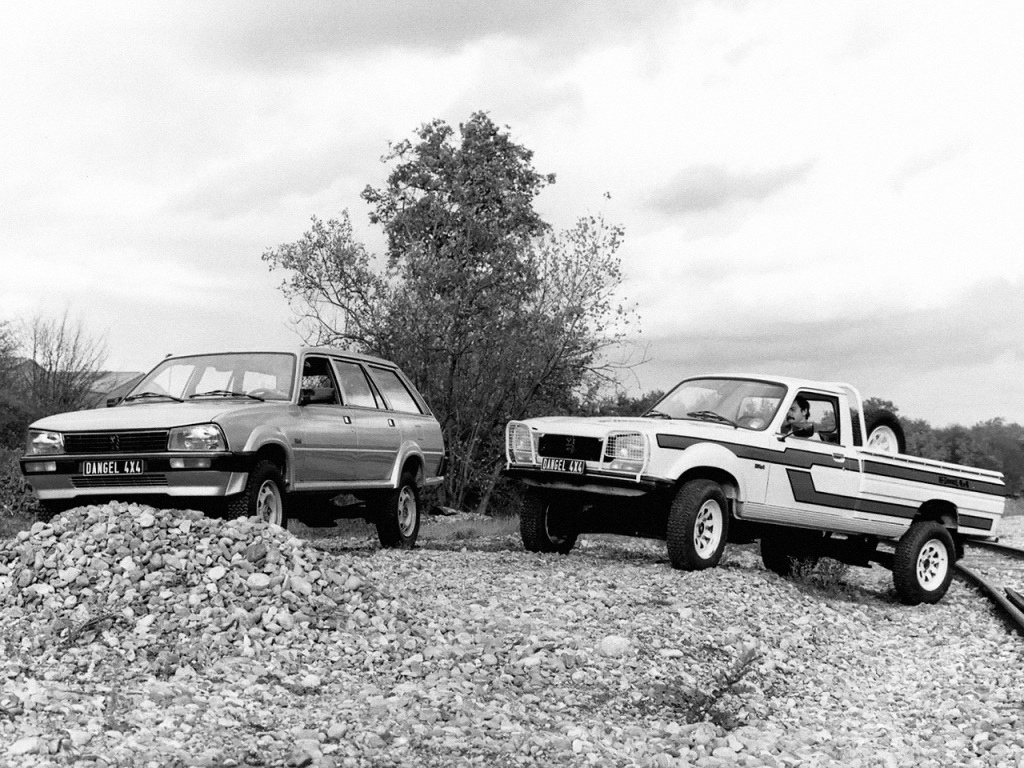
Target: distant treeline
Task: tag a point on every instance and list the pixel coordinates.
(994, 444)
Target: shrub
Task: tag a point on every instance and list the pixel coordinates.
(17, 502)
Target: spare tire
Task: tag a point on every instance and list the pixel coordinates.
(885, 433)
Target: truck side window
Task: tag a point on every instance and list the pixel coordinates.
(824, 416)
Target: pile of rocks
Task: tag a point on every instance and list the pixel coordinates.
(189, 590)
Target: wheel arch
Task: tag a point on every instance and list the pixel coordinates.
(709, 461)
(726, 480)
(939, 511)
(277, 454)
(411, 460)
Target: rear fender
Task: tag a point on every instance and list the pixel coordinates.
(410, 450)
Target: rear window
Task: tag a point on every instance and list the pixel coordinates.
(355, 386)
(395, 391)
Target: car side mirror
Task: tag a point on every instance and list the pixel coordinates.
(305, 396)
(112, 401)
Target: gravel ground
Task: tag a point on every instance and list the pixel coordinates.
(138, 637)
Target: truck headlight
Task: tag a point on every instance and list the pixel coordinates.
(519, 443)
(627, 451)
(198, 437)
(42, 442)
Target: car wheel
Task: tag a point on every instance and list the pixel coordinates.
(885, 433)
(263, 497)
(398, 516)
(545, 527)
(923, 564)
(698, 526)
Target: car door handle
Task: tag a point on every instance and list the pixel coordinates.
(839, 458)
(391, 422)
(348, 419)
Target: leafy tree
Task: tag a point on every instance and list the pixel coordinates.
(492, 314)
(622, 404)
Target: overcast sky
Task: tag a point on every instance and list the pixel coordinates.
(830, 190)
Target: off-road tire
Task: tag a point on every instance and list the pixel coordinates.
(264, 496)
(398, 515)
(546, 527)
(698, 526)
(922, 567)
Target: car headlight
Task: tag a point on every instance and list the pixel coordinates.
(42, 442)
(627, 451)
(198, 437)
(519, 443)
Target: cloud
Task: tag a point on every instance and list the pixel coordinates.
(982, 326)
(928, 161)
(946, 348)
(273, 35)
(247, 184)
(703, 188)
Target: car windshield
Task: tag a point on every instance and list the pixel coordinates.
(250, 375)
(746, 403)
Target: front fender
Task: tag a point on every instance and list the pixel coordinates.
(269, 435)
(710, 456)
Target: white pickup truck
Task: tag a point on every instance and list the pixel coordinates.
(711, 463)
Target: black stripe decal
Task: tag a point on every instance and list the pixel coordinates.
(973, 521)
(931, 477)
(804, 492)
(794, 457)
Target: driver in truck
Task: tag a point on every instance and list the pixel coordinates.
(798, 419)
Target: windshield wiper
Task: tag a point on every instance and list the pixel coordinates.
(656, 415)
(712, 416)
(227, 393)
(147, 395)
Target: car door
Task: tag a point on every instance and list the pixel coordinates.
(326, 446)
(813, 480)
(379, 435)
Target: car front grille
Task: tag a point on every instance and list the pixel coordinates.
(116, 442)
(119, 481)
(570, 447)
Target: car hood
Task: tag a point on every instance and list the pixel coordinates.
(149, 415)
(599, 426)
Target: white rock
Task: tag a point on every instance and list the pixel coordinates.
(27, 746)
(615, 645)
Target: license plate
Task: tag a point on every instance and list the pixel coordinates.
(113, 467)
(573, 466)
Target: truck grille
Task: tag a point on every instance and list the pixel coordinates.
(116, 442)
(570, 447)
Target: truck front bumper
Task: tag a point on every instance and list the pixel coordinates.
(598, 484)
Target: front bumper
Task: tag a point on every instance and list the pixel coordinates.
(591, 483)
(226, 475)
